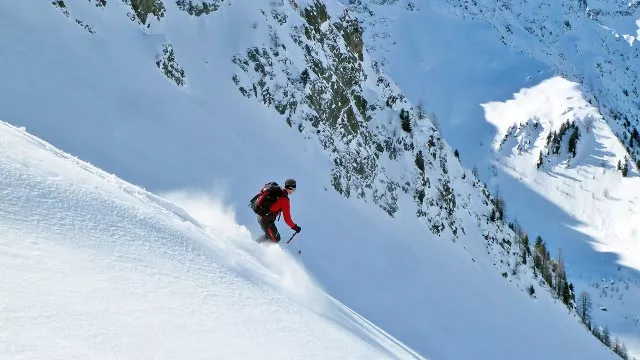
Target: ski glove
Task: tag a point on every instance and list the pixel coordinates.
(297, 229)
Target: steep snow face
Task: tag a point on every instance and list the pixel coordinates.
(167, 99)
(100, 268)
(96, 268)
(489, 71)
(562, 152)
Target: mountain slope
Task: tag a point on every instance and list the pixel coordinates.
(97, 268)
(500, 109)
(589, 209)
(100, 268)
(170, 102)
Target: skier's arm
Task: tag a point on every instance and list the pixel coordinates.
(286, 212)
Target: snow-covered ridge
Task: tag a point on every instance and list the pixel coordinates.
(538, 113)
(552, 118)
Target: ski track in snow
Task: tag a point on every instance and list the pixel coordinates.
(96, 268)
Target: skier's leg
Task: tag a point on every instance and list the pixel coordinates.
(268, 225)
(272, 232)
(264, 237)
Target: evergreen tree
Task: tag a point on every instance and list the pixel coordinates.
(304, 77)
(546, 266)
(537, 258)
(573, 141)
(405, 120)
(540, 161)
(539, 242)
(525, 244)
(566, 293)
(541, 260)
(419, 161)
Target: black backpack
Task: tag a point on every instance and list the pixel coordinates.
(261, 203)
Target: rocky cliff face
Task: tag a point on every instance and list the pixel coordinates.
(335, 93)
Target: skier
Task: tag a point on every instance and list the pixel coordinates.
(268, 204)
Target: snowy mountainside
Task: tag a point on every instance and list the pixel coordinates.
(539, 140)
(573, 165)
(162, 97)
(98, 268)
(500, 77)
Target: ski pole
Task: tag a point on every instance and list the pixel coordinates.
(292, 236)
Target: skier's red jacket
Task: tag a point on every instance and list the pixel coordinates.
(282, 204)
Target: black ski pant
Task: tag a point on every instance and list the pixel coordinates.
(268, 225)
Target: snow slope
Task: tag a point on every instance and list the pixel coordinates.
(495, 73)
(582, 204)
(95, 268)
(99, 95)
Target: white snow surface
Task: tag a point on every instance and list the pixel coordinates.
(95, 268)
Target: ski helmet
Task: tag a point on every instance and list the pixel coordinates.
(290, 184)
